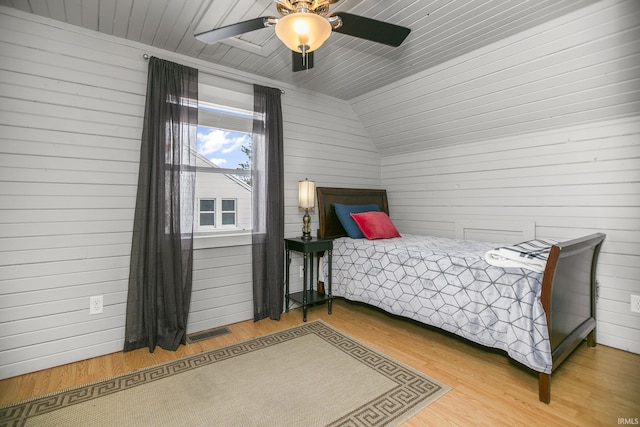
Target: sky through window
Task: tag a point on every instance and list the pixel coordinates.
(221, 146)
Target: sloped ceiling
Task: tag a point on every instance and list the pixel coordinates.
(345, 67)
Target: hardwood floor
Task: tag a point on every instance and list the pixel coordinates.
(594, 387)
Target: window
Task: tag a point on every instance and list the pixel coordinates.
(223, 182)
(228, 212)
(210, 218)
(207, 212)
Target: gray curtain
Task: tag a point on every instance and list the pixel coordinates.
(162, 245)
(268, 204)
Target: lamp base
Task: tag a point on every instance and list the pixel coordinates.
(306, 229)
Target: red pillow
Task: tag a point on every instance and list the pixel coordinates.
(375, 225)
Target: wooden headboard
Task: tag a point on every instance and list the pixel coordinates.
(330, 227)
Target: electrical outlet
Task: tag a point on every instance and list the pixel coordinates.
(301, 272)
(95, 304)
(635, 303)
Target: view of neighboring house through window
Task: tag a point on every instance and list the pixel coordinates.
(223, 177)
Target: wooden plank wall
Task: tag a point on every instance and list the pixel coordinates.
(544, 127)
(71, 107)
(570, 182)
(579, 68)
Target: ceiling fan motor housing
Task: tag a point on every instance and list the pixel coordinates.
(319, 7)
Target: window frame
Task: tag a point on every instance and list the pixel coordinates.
(202, 227)
(240, 96)
(234, 212)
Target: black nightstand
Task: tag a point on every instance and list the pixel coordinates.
(308, 296)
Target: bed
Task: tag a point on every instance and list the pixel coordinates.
(537, 317)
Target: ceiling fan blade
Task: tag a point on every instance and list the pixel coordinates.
(301, 63)
(371, 29)
(236, 29)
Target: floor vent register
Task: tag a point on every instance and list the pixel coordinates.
(205, 335)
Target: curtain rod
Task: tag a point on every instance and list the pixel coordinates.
(146, 57)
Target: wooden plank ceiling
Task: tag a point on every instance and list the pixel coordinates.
(345, 67)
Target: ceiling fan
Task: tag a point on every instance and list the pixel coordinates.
(304, 25)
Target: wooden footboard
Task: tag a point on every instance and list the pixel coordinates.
(569, 299)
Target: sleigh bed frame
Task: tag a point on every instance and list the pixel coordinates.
(568, 283)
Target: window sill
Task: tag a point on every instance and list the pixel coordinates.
(221, 240)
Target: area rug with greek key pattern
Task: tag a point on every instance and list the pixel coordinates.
(307, 375)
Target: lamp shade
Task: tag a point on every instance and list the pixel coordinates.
(306, 194)
(303, 32)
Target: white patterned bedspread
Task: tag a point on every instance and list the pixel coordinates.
(447, 283)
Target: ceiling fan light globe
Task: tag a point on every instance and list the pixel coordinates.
(303, 29)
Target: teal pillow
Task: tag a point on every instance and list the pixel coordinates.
(343, 212)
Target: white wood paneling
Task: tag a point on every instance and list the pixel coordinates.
(71, 109)
(541, 126)
(71, 124)
(583, 67)
(570, 182)
(345, 66)
(222, 287)
(487, 230)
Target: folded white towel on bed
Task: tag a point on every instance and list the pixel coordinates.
(531, 255)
